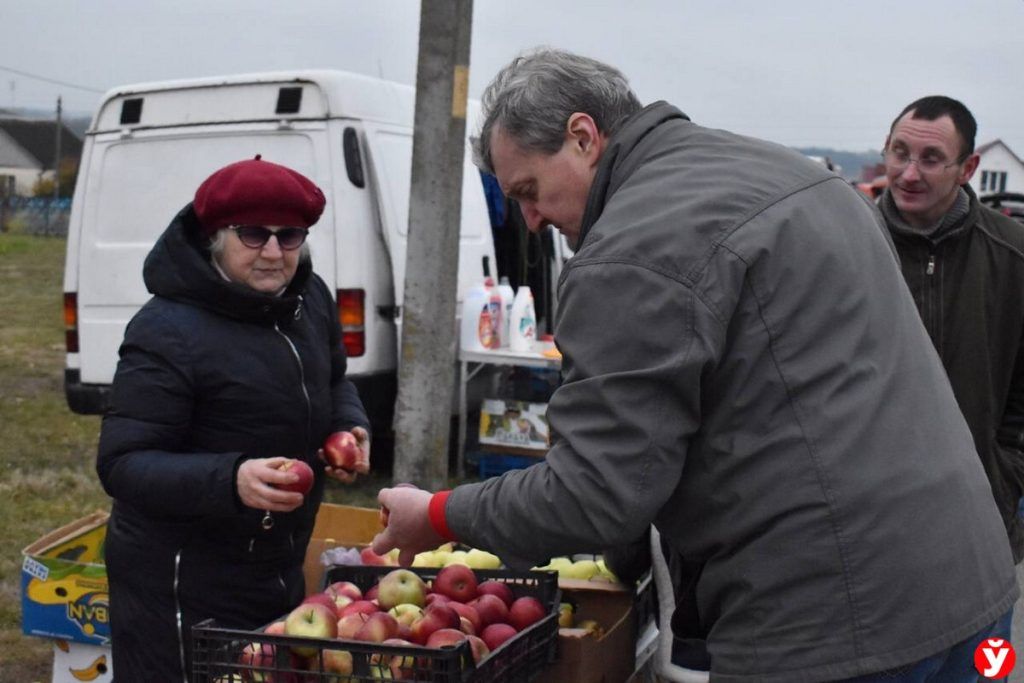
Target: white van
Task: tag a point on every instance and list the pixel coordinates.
(151, 145)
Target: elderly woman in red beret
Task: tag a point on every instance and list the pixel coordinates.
(231, 370)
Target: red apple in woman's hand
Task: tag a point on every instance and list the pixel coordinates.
(305, 472)
(342, 450)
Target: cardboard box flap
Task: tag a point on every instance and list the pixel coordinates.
(66, 542)
(346, 524)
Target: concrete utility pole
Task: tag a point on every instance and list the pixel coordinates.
(427, 362)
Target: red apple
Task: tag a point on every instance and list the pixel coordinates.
(371, 593)
(398, 667)
(373, 559)
(257, 659)
(341, 449)
(491, 609)
(275, 629)
(524, 612)
(435, 617)
(499, 588)
(379, 627)
(436, 597)
(338, 662)
(457, 581)
(469, 613)
(401, 586)
(479, 648)
(322, 599)
(350, 624)
(311, 620)
(346, 588)
(305, 480)
(445, 637)
(363, 606)
(496, 634)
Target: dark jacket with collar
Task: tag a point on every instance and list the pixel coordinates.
(743, 368)
(211, 373)
(968, 284)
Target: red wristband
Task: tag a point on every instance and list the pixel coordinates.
(435, 512)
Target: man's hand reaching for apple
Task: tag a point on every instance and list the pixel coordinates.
(408, 527)
(346, 454)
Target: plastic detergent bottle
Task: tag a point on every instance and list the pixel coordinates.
(491, 319)
(475, 317)
(508, 296)
(523, 327)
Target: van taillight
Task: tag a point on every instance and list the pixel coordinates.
(71, 321)
(352, 313)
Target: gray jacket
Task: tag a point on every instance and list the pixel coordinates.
(745, 368)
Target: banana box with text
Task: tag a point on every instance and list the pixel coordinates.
(601, 647)
(73, 662)
(64, 590)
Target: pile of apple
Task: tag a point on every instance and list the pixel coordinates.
(442, 556)
(401, 609)
(585, 569)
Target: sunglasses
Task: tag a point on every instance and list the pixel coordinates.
(255, 236)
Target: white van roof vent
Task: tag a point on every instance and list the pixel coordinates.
(289, 100)
(131, 110)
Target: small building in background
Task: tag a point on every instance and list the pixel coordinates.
(999, 171)
(28, 149)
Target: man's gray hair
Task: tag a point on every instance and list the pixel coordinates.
(533, 97)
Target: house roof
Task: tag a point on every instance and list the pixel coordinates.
(37, 138)
(989, 145)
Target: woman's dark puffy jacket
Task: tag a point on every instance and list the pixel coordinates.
(212, 373)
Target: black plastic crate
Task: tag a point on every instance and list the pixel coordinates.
(217, 651)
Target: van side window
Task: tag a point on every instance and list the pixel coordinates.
(289, 101)
(353, 161)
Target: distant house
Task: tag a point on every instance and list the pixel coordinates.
(1000, 170)
(27, 151)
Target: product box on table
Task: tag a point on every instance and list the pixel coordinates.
(217, 652)
(607, 656)
(337, 526)
(64, 589)
(515, 424)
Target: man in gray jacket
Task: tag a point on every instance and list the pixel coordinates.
(745, 369)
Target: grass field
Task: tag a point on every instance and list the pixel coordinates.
(47, 452)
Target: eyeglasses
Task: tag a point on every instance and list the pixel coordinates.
(899, 160)
(256, 236)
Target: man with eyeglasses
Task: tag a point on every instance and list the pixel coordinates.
(964, 264)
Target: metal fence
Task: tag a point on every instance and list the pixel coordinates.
(35, 215)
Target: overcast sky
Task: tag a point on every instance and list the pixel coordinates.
(801, 72)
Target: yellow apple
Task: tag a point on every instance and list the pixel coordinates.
(566, 615)
(580, 569)
(455, 557)
(481, 559)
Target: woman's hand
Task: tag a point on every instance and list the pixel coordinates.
(256, 481)
(362, 462)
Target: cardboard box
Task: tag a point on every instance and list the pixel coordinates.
(518, 424)
(584, 658)
(64, 590)
(337, 526)
(73, 662)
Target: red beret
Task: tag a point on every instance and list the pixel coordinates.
(257, 192)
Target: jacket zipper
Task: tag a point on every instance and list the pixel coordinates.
(178, 617)
(930, 269)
